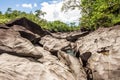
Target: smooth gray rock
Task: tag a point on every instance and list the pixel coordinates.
(25, 33)
(104, 44)
(74, 64)
(46, 68)
(24, 57)
(11, 42)
(29, 25)
(52, 44)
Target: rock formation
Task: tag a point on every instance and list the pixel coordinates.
(27, 52)
(104, 46)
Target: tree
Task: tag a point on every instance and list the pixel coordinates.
(40, 13)
(52, 26)
(96, 13)
(58, 26)
(0, 12)
(70, 4)
(15, 13)
(72, 24)
(9, 10)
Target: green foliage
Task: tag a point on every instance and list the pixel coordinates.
(97, 13)
(52, 26)
(39, 13)
(70, 4)
(59, 26)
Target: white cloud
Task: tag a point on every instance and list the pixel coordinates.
(27, 5)
(54, 12)
(35, 4)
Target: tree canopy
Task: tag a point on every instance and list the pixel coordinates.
(36, 17)
(96, 13)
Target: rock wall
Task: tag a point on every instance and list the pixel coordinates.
(104, 46)
(27, 52)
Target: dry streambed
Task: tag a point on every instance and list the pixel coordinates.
(28, 52)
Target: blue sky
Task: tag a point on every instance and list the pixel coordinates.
(16, 4)
(51, 7)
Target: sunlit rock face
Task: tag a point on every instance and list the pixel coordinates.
(26, 53)
(46, 68)
(13, 43)
(52, 44)
(104, 45)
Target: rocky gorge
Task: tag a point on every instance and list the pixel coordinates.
(28, 52)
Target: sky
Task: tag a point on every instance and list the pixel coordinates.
(51, 7)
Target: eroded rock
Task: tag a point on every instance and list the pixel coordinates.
(104, 45)
(74, 64)
(52, 44)
(29, 25)
(26, 53)
(25, 33)
(70, 36)
(11, 42)
(19, 68)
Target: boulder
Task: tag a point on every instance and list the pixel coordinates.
(74, 64)
(19, 36)
(52, 44)
(70, 36)
(2, 26)
(29, 25)
(11, 42)
(48, 67)
(26, 53)
(25, 33)
(20, 68)
(104, 46)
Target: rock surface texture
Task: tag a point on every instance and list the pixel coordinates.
(104, 45)
(27, 52)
